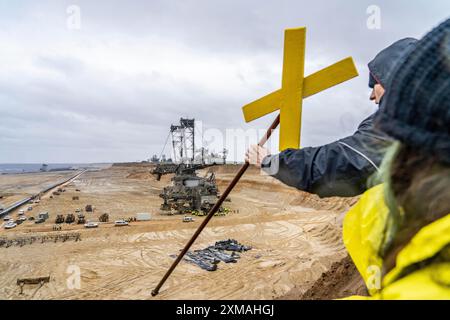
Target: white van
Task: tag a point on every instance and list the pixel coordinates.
(120, 223)
(10, 225)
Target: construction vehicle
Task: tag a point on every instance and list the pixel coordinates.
(60, 219)
(189, 192)
(104, 218)
(164, 168)
(81, 219)
(70, 218)
(184, 151)
(43, 215)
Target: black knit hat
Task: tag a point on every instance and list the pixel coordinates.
(416, 107)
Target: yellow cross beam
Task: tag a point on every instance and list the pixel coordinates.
(295, 87)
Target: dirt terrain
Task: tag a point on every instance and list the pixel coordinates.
(15, 187)
(296, 237)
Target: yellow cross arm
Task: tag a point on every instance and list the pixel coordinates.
(329, 77)
(326, 78)
(262, 106)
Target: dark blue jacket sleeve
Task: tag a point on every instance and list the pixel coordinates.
(339, 169)
(329, 170)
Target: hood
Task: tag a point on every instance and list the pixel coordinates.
(384, 63)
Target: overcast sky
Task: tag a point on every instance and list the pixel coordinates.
(109, 90)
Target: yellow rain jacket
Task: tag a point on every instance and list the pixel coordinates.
(364, 227)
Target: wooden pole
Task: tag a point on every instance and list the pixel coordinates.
(214, 209)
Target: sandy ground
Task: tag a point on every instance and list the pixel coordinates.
(296, 237)
(15, 187)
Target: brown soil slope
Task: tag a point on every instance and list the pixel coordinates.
(296, 237)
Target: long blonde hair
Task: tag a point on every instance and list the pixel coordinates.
(417, 192)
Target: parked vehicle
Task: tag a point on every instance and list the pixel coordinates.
(81, 219)
(21, 212)
(104, 218)
(60, 219)
(91, 225)
(10, 225)
(39, 220)
(43, 215)
(22, 218)
(30, 208)
(6, 218)
(70, 218)
(120, 223)
(188, 219)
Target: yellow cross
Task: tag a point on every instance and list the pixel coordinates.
(295, 87)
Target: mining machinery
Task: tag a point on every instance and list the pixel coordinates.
(189, 192)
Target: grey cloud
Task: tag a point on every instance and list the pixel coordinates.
(65, 98)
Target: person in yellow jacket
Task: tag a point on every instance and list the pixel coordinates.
(398, 234)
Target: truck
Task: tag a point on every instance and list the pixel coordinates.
(43, 215)
(60, 219)
(70, 218)
(104, 218)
